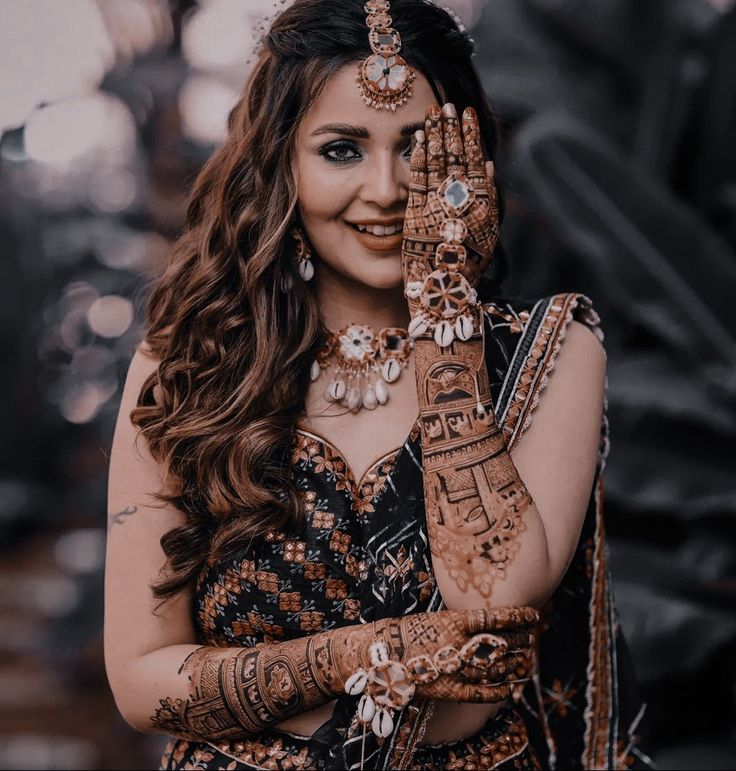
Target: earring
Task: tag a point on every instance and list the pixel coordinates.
(303, 254)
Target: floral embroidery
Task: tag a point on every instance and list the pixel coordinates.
(323, 519)
(294, 551)
(351, 610)
(311, 621)
(267, 582)
(336, 589)
(340, 541)
(315, 571)
(290, 601)
(248, 571)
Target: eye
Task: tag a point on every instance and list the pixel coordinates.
(407, 153)
(340, 152)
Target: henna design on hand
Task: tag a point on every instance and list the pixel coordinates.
(232, 694)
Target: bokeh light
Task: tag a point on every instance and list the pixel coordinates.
(64, 131)
(110, 316)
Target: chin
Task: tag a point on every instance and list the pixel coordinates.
(386, 277)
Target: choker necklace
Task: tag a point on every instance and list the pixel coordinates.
(361, 365)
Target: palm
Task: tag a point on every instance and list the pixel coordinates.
(452, 200)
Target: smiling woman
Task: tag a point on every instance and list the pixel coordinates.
(353, 561)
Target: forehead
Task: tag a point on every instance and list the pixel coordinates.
(341, 102)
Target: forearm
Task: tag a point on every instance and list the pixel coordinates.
(483, 524)
(213, 694)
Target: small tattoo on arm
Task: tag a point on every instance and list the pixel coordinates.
(118, 517)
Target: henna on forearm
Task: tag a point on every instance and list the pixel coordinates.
(474, 498)
(235, 693)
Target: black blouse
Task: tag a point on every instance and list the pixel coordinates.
(362, 553)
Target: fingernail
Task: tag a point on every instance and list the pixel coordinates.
(469, 113)
(419, 135)
(449, 110)
(434, 112)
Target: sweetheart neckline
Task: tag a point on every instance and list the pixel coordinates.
(395, 452)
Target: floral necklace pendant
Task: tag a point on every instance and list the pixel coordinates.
(361, 366)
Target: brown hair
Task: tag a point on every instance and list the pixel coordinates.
(234, 348)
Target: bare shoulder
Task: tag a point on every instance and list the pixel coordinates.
(581, 354)
(142, 365)
(569, 412)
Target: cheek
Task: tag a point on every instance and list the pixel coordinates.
(323, 194)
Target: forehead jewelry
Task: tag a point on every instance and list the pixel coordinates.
(384, 78)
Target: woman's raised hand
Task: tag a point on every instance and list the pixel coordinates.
(452, 211)
(450, 180)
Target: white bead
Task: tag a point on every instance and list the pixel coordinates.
(382, 723)
(464, 327)
(472, 296)
(391, 371)
(418, 326)
(370, 400)
(444, 334)
(381, 392)
(413, 289)
(316, 371)
(354, 399)
(335, 391)
(306, 270)
(366, 708)
(355, 684)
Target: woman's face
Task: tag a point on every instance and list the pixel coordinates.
(352, 175)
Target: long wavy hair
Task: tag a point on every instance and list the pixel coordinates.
(233, 347)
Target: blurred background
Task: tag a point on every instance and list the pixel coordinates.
(619, 168)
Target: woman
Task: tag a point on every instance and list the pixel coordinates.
(324, 609)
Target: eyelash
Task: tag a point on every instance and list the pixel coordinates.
(344, 145)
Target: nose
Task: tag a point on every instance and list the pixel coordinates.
(386, 182)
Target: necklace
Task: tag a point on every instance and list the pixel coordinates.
(361, 365)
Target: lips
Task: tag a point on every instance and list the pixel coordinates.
(379, 237)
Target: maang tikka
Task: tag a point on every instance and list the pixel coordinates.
(384, 77)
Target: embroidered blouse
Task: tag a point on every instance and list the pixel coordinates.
(362, 553)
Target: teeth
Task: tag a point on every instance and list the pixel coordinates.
(380, 230)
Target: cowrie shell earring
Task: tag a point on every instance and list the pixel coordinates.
(303, 254)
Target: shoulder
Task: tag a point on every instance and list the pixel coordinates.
(143, 364)
(529, 339)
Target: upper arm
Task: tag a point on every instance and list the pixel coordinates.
(558, 456)
(136, 522)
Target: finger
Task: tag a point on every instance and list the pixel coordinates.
(448, 688)
(436, 169)
(454, 151)
(512, 618)
(474, 159)
(418, 172)
(514, 666)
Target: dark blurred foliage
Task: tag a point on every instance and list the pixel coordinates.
(620, 175)
(620, 168)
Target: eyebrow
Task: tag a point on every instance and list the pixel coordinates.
(360, 132)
